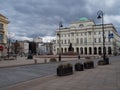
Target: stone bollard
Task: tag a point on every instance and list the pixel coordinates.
(35, 61)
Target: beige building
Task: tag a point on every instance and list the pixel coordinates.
(3, 33)
(87, 38)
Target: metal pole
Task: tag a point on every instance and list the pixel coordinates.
(60, 25)
(104, 49)
(100, 15)
(59, 46)
(8, 48)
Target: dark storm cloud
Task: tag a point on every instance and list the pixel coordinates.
(31, 18)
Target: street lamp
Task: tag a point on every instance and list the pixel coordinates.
(101, 16)
(59, 35)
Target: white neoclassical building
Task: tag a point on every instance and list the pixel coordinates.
(87, 38)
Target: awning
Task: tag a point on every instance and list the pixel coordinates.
(1, 48)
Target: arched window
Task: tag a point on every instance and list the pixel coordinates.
(81, 50)
(109, 50)
(77, 50)
(95, 50)
(85, 50)
(90, 50)
(99, 50)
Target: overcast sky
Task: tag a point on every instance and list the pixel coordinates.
(32, 18)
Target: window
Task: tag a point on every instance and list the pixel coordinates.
(95, 40)
(72, 34)
(99, 40)
(109, 39)
(65, 35)
(1, 26)
(65, 41)
(81, 34)
(61, 41)
(99, 32)
(1, 37)
(76, 34)
(68, 35)
(85, 41)
(68, 41)
(77, 40)
(81, 40)
(89, 33)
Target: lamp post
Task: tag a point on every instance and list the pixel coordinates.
(59, 35)
(8, 48)
(101, 16)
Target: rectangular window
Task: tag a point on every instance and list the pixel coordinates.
(65, 35)
(99, 40)
(95, 40)
(72, 34)
(99, 32)
(81, 34)
(85, 41)
(89, 33)
(61, 41)
(77, 40)
(68, 41)
(1, 26)
(1, 38)
(81, 40)
(65, 41)
(68, 35)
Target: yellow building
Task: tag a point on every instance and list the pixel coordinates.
(3, 32)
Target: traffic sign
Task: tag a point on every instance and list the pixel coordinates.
(111, 35)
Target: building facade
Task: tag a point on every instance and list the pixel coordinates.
(3, 33)
(20, 47)
(87, 38)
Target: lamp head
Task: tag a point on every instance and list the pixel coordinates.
(60, 24)
(99, 17)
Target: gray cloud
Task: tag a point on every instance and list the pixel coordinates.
(31, 18)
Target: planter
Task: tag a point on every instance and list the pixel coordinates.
(88, 64)
(101, 62)
(79, 67)
(53, 60)
(64, 69)
(30, 56)
(104, 62)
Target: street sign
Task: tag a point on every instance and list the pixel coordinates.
(111, 35)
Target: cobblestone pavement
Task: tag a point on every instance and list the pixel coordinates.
(100, 78)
